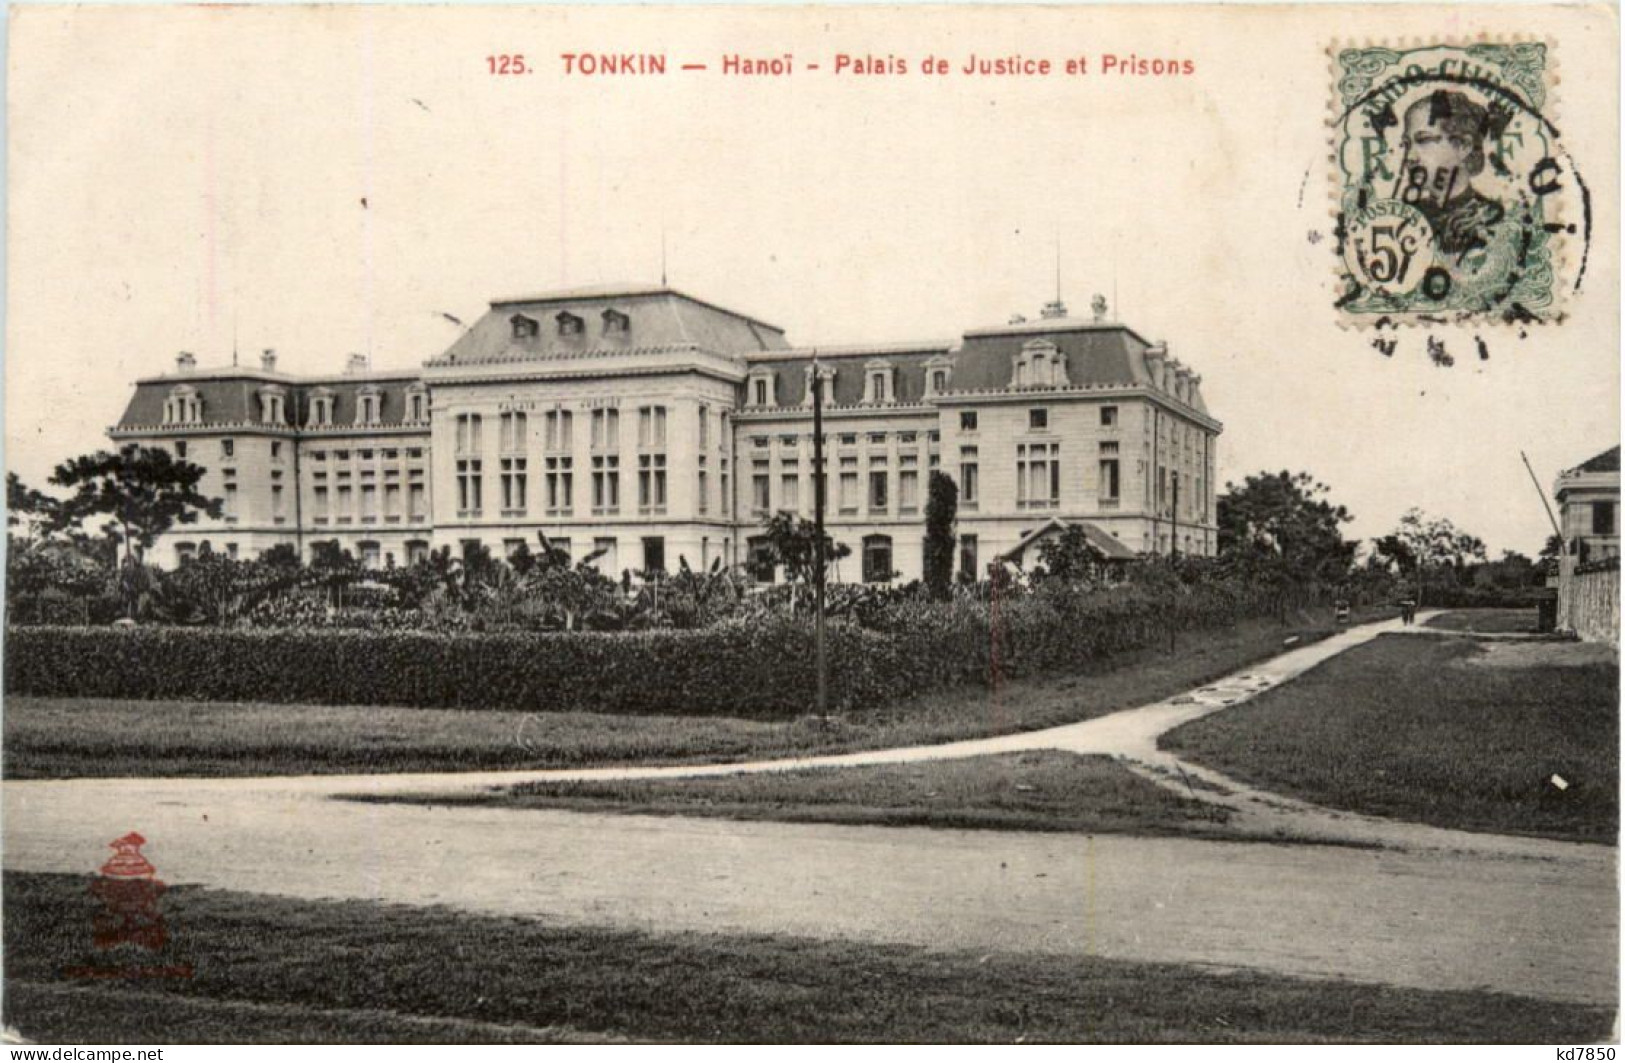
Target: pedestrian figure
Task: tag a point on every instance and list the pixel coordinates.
(1407, 610)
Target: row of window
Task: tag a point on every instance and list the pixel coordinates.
(615, 323)
(185, 406)
(339, 504)
(513, 432)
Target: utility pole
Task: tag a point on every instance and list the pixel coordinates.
(818, 539)
(1173, 546)
(1542, 493)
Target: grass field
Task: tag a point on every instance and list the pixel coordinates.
(1041, 790)
(1444, 730)
(60, 738)
(1488, 621)
(270, 969)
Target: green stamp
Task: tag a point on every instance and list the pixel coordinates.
(1455, 200)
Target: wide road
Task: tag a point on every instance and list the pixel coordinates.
(1525, 924)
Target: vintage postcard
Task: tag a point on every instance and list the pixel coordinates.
(796, 524)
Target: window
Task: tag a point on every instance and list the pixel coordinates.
(469, 487)
(525, 328)
(967, 420)
(849, 492)
(1038, 475)
(560, 486)
(848, 439)
(417, 403)
(510, 547)
(607, 562)
(877, 387)
(276, 450)
(513, 486)
(1037, 420)
(392, 503)
(559, 428)
(654, 554)
(468, 433)
(760, 489)
(570, 325)
(877, 490)
(180, 449)
(231, 502)
(273, 405)
(1110, 486)
(369, 405)
(318, 504)
(1108, 447)
(908, 490)
(606, 484)
(877, 439)
(278, 511)
(790, 492)
(877, 566)
(228, 448)
(606, 429)
(184, 406)
(512, 432)
(1602, 518)
(704, 498)
(968, 476)
(651, 483)
(652, 426)
(939, 380)
(417, 551)
(705, 427)
(321, 408)
(346, 505)
(1108, 416)
(616, 323)
(761, 563)
(369, 504)
(967, 556)
(417, 502)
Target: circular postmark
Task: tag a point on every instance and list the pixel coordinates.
(1456, 199)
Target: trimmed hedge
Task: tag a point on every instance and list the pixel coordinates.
(763, 671)
(758, 670)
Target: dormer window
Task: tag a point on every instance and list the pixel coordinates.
(616, 323)
(879, 383)
(826, 373)
(184, 406)
(938, 372)
(369, 405)
(273, 405)
(570, 324)
(1040, 364)
(417, 403)
(761, 388)
(321, 408)
(525, 328)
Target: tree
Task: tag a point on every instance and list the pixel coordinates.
(1284, 520)
(1070, 557)
(143, 489)
(793, 541)
(1438, 546)
(941, 507)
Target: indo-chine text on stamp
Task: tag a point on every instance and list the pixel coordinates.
(1456, 202)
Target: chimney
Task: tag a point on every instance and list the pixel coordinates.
(268, 360)
(1054, 309)
(1098, 305)
(185, 362)
(357, 363)
(1182, 383)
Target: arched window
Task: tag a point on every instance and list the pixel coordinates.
(879, 382)
(826, 373)
(877, 559)
(369, 405)
(321, 408)
(938, 373)
(273, 405)
(184, 406)
(417, 403)
(762, 388)
(1040, 364)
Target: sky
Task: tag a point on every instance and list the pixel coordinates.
(321, 181)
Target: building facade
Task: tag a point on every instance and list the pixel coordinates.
(649, 426)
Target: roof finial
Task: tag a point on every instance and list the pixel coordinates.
(1056, 308)
(662, 256)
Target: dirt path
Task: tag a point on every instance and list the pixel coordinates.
(1466, 911)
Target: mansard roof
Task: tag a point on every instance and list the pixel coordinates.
(231, 396)
(658, 317)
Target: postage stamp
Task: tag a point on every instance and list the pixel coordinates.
(1455, 199)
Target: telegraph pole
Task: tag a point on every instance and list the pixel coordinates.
(818, 539)
(1173, 547)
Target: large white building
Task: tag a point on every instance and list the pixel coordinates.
(653, 425)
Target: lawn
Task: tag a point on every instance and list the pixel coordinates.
(1488, 621)
(273, 969)
(60, 738)
(1040, 790)
(1446, 730)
